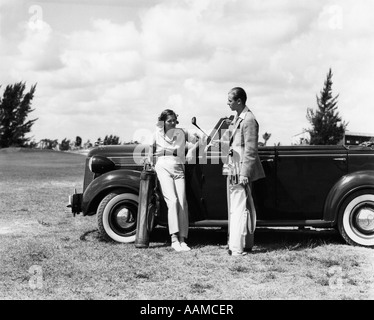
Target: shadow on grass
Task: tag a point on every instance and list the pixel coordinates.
(266, 239)
(295, 239)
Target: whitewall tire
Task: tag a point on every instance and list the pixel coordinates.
(117, 216)
(356, 219)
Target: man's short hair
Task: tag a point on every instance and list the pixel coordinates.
(239, 93)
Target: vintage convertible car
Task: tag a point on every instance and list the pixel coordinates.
(316, 186)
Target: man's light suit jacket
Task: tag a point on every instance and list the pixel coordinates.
(244, 144)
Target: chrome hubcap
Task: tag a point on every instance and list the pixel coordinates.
(365, 218)
(123, 217)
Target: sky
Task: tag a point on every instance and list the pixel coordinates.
(111, 67)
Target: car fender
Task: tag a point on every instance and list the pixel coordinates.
(99, 187)
(347, 185)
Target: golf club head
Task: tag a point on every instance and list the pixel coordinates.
(193, 121)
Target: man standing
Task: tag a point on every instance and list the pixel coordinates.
(244, 168)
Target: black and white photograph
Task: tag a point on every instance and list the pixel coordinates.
(182, 156)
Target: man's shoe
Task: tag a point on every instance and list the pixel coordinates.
(237, 254)
(184, 246)
(176, 246)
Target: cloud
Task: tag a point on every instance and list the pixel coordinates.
(105, 53)
(96, 74)
(130, 3)
(37, 52)
(172, 33)
(105, 36)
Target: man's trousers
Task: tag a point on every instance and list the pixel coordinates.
(242, 217)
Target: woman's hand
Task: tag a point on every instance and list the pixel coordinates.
(148, 164)
(190, 156)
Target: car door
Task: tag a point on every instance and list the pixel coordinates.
(213, 191)
(304, 177)
(209, 184)
(264, 190)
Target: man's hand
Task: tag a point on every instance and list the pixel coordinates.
(243, 180)
(214, 143)
(205, 140)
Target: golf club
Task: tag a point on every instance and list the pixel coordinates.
(193, 121)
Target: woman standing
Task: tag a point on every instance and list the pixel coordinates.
(168, 151)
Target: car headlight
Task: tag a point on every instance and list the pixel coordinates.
(100, 164)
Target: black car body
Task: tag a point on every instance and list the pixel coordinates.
(317, 186)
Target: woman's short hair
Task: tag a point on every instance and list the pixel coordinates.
(167, 112)
(239, 93)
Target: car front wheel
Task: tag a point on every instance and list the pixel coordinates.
(117, 216)
(356, 219)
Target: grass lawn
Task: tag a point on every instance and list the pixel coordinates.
(46, 253)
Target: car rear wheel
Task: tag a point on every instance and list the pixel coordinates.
(356, 219)
(117, 216)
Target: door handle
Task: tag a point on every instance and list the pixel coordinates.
(339, 159)
(267, 160)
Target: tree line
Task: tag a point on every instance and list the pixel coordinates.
(327, 126)
(67, 144)
(15, 108)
